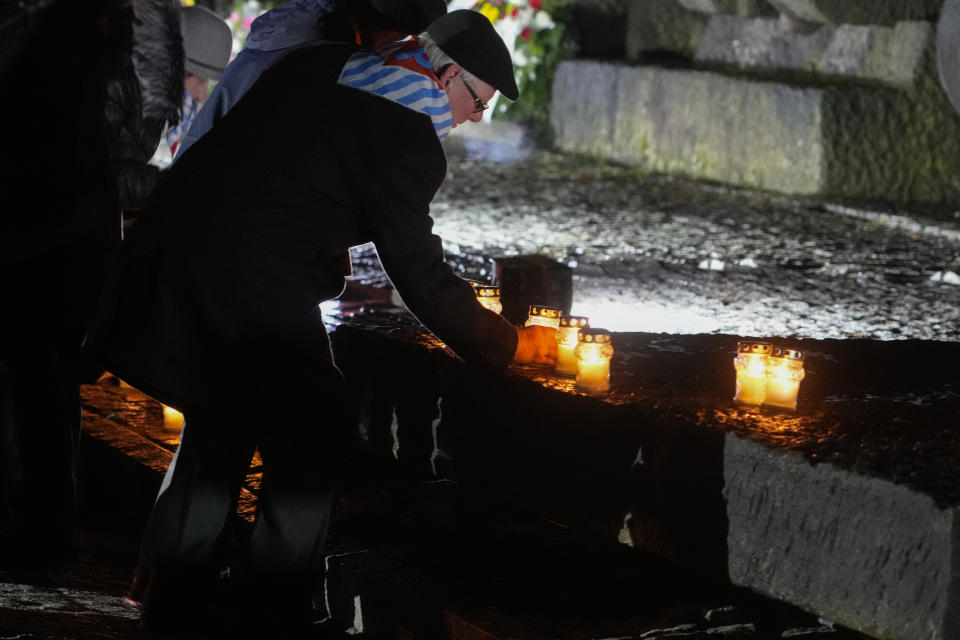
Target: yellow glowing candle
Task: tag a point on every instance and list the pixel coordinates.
(544, 316)
(172, 419)
(593, 354)
(784, 373)
(751, 366)
(489, 297)
(568, 336)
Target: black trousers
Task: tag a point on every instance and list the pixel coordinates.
(289, 406)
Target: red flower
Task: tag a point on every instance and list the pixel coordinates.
(515, 12)
(536, 4)
(526, 33)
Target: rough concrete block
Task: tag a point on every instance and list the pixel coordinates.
(841, 140)
(582, 110)
(885, 12)
(662, 26)
(736, 7)
(861, 551)
(893, 56)
(760, 43)
(699, 123)
(948, 50)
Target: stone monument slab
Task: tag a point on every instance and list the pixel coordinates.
(885, 12)
(948, 50)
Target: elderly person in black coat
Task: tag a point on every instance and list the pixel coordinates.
(218, 313)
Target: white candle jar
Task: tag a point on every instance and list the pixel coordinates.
(593, 354)
(784, 374)
(544, 316)
(568, 337)
(751, 367)
(489, 297)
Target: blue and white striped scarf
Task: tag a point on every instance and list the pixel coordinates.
(402, 73)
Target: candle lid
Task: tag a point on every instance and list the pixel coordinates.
(575, 322)
(545, 312)
(762, 348)
(787, 354)
(591, 334)
(486, 291)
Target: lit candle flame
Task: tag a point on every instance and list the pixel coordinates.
(784, 374)
(751, 366)
(172, 419)
(593, 353)
(568, 336)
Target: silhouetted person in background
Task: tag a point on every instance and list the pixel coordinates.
(369, 23)
(207, 42)
(162, 58)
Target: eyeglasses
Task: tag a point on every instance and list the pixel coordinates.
(481, 105)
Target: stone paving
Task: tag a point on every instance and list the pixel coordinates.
(664, 254)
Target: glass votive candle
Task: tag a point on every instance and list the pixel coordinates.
(593, 355)
(751, 366)
(544, 316)
(568, 337)
(489, 297)
(172, 419)
(784, 374)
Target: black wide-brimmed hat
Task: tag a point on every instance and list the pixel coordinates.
(408, 16)
(472, 42)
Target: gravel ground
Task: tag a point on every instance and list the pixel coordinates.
(664, 254)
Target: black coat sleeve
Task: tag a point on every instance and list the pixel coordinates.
(398, 219)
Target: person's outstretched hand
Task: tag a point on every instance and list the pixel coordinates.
(536, 345)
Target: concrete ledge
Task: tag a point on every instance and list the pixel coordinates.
(844, 508)
(865, 552)
(835, 140)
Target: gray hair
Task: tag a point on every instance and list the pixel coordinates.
(436, 56)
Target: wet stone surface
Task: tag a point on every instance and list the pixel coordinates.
(663, 254)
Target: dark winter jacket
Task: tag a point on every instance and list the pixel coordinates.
(241, 239)
(141, 95)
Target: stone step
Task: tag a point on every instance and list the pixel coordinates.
(838, 140)
(516, 577)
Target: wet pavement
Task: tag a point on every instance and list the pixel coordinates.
(664, 254)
